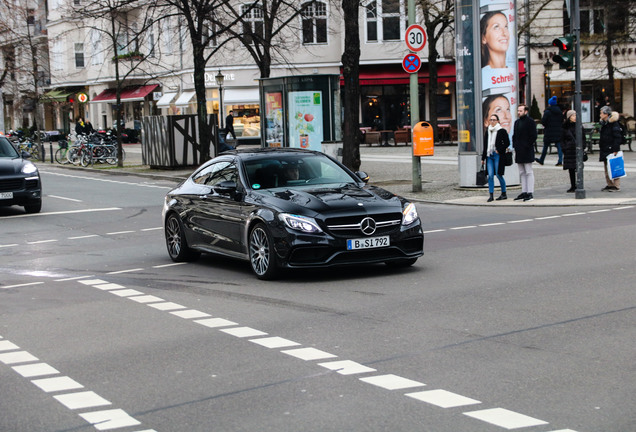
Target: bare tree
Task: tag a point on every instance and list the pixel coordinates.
(25, 54)
(351, 74)
(122, 23)
(438, 18)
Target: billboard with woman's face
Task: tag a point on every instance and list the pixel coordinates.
(499, 69)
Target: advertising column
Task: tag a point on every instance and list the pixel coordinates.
(305, 120)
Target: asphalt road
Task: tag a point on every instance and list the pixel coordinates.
(515, 318)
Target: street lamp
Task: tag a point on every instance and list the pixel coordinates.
(219, 77)
(548, 68)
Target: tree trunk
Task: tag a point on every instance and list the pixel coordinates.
(432, 83)
(351, 72)
(205, 131)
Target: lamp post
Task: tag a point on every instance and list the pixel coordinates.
(548, 68)
(219, 77)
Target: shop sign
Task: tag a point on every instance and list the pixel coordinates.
(82, 97)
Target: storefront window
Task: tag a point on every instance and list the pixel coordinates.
(247, 119)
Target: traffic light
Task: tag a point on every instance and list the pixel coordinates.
(565, 58)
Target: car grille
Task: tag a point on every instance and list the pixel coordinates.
(32, 184)
(352, 225)
(11, 185)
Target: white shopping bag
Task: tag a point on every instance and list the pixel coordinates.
(616, 165)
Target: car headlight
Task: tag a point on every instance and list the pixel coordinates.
(300, 223)
(409, 214)
(29, 168)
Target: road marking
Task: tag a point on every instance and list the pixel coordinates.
(167, 306)
(505, 418)
(109, 286)
(64, 198)
(190, 314)
(434, 231)
(6, 345)
(17, 357)
(391, 382)
(274, 342)
(41, 241)
(87, 399)
(110, 419)
(62, 212)
(8, 245)
(93, 282)
(146, 299)
(125, 292)
(107, 180)
(72, 278)
(492, 224)
(347, 367)
(152, 229)
(119, 232)
(34, 370)
(574, 214)
(520, 221)
(49, 385)
(442, 398)
(22, 285)
(215, 322)
(548, 217)
(309, 354)
(243, 332)
(82, 237)
(169, 265)
(600, 211)
(125, 271)
(464, 227)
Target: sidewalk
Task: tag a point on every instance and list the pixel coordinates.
(391, 168)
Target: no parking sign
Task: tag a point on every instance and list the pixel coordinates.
(411, 63)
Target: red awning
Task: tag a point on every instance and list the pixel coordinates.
(395, 74)
(127, 94)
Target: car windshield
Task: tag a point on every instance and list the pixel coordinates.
(7, 150)
(294, 170)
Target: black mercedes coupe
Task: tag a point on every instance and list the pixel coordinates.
(288, 208)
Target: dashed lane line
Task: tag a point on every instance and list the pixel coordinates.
(437, 397)
(50, 380)
(67, 212)
(21, 285)
(64, 198)
(82, 237)
(106, 180)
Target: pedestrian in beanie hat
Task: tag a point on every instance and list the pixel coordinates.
(552, 100)
(569, 114)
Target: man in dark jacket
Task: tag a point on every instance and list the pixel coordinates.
(609, 142)
(552, 122)
(525, 135)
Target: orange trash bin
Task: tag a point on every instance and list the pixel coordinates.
(423, 144)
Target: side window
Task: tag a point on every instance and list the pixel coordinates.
(217, 173)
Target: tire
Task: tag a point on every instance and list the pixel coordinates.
(73, 155)
(177, 245)
(33, 208)
(61, 156)
(261, 253)
(86, 158)
(407, 262)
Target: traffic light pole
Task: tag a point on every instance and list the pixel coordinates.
(579, 192)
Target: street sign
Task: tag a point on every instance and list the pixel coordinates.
(415, 37)
(82, 97)
(411, 63)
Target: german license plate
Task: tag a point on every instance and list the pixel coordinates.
(368, 243)
(6, 195)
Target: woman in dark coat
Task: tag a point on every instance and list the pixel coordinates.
(496, 143)
(568, 144)
(609, 142)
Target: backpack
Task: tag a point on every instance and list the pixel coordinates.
(623, 129)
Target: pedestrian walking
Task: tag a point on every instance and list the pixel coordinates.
(568, 144)
(229, 124)
(552, 122)
(496, 143)
(609, 142)
(523, 141)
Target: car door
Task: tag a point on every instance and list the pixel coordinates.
(217, 212)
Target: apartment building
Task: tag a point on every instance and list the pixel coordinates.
(156, 64)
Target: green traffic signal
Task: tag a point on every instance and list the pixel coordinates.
(565, 58)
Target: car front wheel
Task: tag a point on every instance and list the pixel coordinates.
(176, 242)
(262, 256)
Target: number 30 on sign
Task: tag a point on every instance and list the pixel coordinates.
(415, 37)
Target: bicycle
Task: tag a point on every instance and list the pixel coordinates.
(61, 154)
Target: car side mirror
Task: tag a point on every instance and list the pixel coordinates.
(228, 187)
(25, 155)
(363, 176)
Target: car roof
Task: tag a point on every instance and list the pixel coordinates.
(257, 153)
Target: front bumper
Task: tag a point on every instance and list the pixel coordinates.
(25, 191)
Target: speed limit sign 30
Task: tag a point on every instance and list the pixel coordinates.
(415, 37)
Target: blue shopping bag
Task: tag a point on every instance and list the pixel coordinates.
(616, 166)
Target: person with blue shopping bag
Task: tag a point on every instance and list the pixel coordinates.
(609, 143)
(496, 143)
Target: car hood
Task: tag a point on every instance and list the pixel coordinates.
(332, 199)
(11, 166)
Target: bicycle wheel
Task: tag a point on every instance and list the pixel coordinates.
(111, 155)
(61, 156)
(35, 151)
(86, 158)
(73, 155)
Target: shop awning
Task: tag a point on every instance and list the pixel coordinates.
(240, 96)
(56, 95)
(127, 94)
(166, 100)
(184, 99)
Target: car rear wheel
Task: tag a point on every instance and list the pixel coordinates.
(176, 242)
(262, 256)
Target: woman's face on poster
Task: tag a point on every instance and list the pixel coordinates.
(501, 107)
(497, 35)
